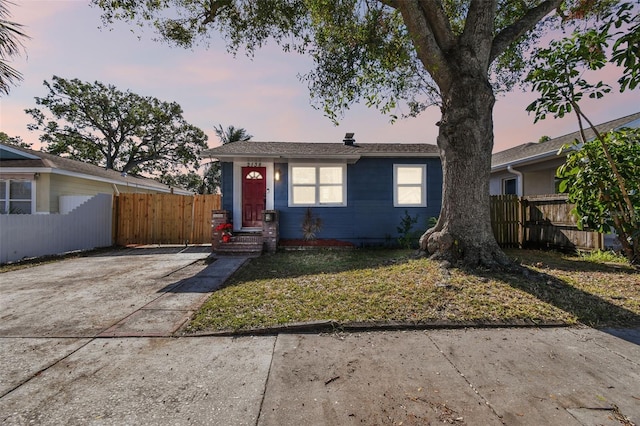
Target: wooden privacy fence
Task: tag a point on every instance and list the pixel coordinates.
(539, 221)
(506, 220)
(163, 218)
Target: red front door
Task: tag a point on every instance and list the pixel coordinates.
(254, 194)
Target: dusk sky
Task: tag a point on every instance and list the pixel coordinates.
(262, 95)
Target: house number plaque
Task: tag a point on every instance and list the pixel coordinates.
(254, 164)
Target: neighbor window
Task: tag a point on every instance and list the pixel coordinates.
(15, 197)
(509, 186)
(410, 185)
(556, 185)
(317, 185)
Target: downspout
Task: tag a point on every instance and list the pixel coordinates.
(115, 189)
(519, 187)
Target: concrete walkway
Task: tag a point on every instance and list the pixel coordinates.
(68, 355)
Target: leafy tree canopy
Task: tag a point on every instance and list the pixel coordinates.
(209, 181)
(123, 131)
(13, 140)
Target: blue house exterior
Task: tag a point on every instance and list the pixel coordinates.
(360, 192)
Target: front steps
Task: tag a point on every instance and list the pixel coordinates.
(245, 244)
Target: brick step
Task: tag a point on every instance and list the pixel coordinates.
(242, 244)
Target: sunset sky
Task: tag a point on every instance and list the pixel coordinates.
(262, 95)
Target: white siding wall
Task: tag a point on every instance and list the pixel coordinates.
(495, 182)
(69, 202)
(85, 228)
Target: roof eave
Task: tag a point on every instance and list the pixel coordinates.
(528, 160)
(402, 154)
(110, 181)
(245, 156)
(25, 155)
(342, 157)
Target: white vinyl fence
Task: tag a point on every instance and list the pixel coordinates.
(86, 227)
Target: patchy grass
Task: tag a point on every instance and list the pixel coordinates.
(390, 286)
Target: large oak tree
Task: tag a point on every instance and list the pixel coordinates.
(123, 131)
(452, 53)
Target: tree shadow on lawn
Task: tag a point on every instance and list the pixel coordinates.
(589, 309)
(553, 260)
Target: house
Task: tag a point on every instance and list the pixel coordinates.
(360, 192)
(530, 169)
(35, 182)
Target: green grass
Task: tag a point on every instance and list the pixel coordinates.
(602, 256)
(390, 286)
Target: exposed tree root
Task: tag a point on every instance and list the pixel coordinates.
(446, 247)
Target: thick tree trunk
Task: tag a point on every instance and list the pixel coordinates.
(463, 232)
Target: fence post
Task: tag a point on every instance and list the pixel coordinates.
(521, 218)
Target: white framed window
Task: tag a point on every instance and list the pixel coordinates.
(317, 185)
(16, 196)
(409, 185)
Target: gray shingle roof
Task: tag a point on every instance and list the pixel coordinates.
(532, 151)
(319, 150)
(50, 161)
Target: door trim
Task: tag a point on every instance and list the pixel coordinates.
(237, 190)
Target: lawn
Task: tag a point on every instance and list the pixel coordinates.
(392, 287)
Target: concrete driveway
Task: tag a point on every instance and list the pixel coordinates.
(89, 341)
(153, 289)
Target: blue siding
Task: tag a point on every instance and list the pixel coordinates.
(369, 217)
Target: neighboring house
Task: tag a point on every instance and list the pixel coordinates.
(360, 192)
(530, 169)
(35, 182)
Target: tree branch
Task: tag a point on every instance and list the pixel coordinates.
(478, 29)
(427, 48)
(212, 10)
(439, 23)
(516, 30)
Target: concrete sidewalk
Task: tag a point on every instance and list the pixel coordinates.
(77, 347)
(560, 376)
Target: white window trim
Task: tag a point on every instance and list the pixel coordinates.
(423, 185)
(317, 185)
(5, 202)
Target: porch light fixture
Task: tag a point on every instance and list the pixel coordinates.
(277, 175)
